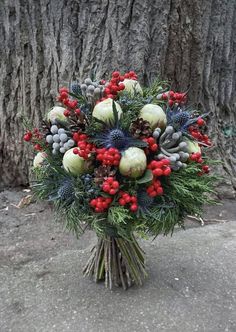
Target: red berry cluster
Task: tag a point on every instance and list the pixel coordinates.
(85, 148)
(155, 189)
(110, 186)
(34, 137)
(151, 144)
(127, 199)
(100, 204)
(110, 157)
(197, 157)
(114, 85)
(174, 97)
(64, 99)
(160, 168)
(131, 75)
(195, 132)
(67, 112)
(205, 170)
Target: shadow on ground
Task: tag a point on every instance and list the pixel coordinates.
(191, 283)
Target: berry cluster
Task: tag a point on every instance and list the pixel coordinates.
(151, 144)
(174, 97)
(197, 157)
(127, 199)
(195, 132)
(131, 75)
(64, 99)
(110, 157)
(160, 168)
(100, 204)
(34, 137)
(155, 189)
(67, 112)
(110, 186)
(114, 85)
(85, 148)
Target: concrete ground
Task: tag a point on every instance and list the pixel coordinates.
(191, 284)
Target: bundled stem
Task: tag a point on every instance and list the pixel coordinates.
(116, 261)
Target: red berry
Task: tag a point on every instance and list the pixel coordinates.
(27, 136)
(122, 201)
(66, 113)
(77, 111)
(115, 74)
(112, 192)
(152, 193)
(171, 103)
(115, 185)
(167, 171)
(121, 86)
(75, 151)
(38, 147)
(200, 122)
(106, 188)
(64, 95)
(171, 94)
(159, 191)
(164, 96)
(154, 147)
(134, 207)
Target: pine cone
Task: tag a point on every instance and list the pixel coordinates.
(102, 172)
(140, 128)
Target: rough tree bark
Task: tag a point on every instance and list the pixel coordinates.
(45, 43)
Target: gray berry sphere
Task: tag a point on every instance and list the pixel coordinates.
(56, 146)
(54, 129)
(49, 139)
(54, 151)
(156, 134)
(88, 81)
(71, 143)
(65, 146)
(83, 87)
(56, 138)
(63, 138)
(62, 150)
(91, 88)
(169, 130)
(61, 131)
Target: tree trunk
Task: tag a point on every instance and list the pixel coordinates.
(46, 43)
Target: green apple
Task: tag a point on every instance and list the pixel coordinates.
(155, 115)
(133, 162)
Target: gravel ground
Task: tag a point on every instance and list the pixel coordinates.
(191, 283)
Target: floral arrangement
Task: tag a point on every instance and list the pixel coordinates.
(123, 161)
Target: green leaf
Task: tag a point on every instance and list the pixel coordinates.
(138, 143)
(148, 176)
(100, 121)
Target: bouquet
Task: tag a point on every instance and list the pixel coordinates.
(124, 161)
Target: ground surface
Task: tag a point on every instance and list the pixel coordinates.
(191, 284)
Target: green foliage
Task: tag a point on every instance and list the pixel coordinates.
(121, 219)
(185, 193)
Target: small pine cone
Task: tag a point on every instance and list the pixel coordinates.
(140, 128)
(102, 172)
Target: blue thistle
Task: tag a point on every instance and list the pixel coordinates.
(181, 119)
(65, 192)
(75, 88)
(115, 137)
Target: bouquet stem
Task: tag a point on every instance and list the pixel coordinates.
(117, 261)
